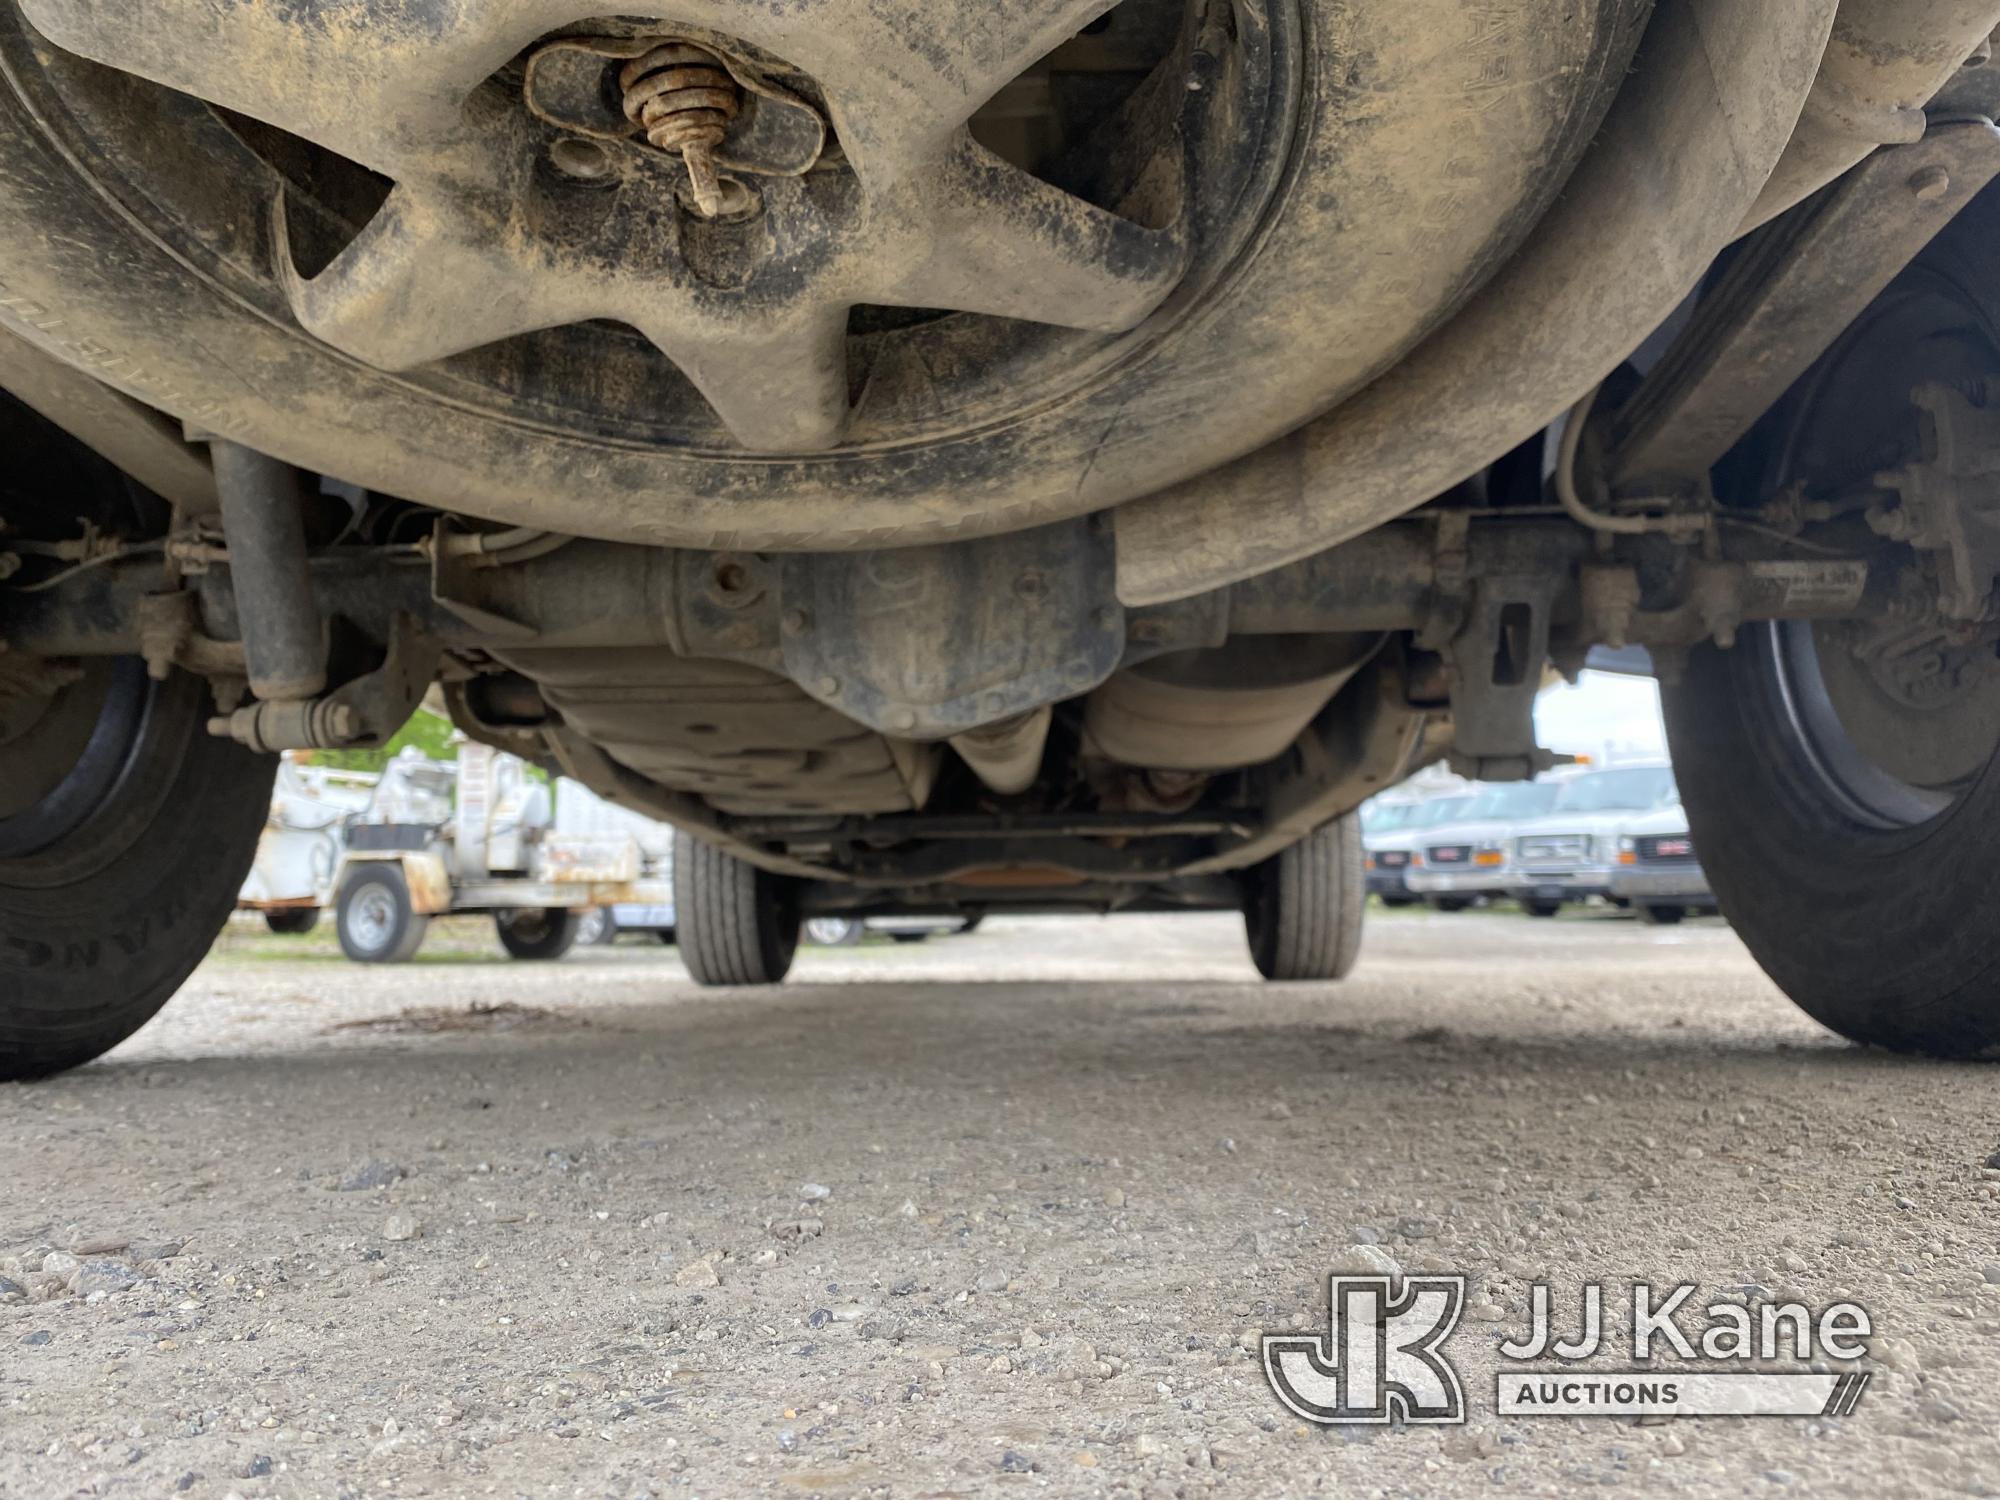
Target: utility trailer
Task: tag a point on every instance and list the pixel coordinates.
(429, 838)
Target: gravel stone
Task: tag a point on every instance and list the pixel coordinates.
(697, 1273)
(102, 1276)
(370, 1175)
(401, 1226)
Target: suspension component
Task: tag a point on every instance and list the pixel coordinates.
(683, 98)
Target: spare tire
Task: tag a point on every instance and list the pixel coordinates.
(1309, 166)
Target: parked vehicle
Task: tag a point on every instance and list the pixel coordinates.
(1471, 856)
(603, 925)
(1391, 852)
(1656, 871)
(387, 853)
(303, 842)
(1381, 818)
(846, 932)
(952, 457)
(582, 812)
(1569, 852)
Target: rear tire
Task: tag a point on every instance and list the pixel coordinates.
(372, 914)
(1542, 908)
(1302, 907)
(1450, 903)
(737, 924)
(1849, 826)
(536, 934)
(292, 921)
(1884, 934)
(1661, 916)
(117, 873)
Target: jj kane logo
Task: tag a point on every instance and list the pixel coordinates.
(1381, 1358)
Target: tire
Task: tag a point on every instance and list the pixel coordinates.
(1848, 836)
(834, 932)
(165, 213)
(669, 936)
(1449, 903)
(737, 924)
(596, 928)
(292, 921)
(1542, 908)
(1302, 907)
(1398, 903)
(116, 878)
(536, 934)
(1875, 932)
(373, 917)
(1662, 916)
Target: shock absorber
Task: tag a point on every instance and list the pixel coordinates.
(683, 98)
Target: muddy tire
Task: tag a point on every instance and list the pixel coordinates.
(119, 865)
(373, 917)
(736, 924)
(1848, 824)
(1302, 907)
(537, 934)
(1877, 930)
(165, 209)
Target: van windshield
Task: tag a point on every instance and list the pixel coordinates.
(1516, 799)
(1378, 817)
(1441, 810)
(1632, 790)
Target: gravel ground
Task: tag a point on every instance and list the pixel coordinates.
(997, 1214)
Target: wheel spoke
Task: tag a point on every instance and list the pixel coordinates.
(778, 385)
(901, 77)
(432, 275)
(1005, 243)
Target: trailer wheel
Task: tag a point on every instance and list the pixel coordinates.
(373, 917)
(536, 934)
(125, 834)
(1302, 907)
(737, 924)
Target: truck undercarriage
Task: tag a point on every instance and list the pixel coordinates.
(945, 459)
